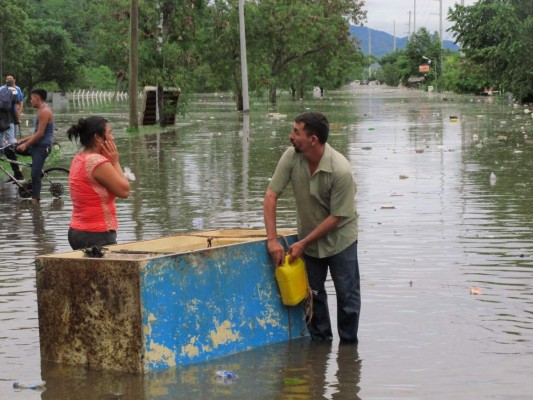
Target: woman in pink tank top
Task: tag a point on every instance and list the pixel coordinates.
(96, 179)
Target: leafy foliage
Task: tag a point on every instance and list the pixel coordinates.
(193, 44)
(498, 36)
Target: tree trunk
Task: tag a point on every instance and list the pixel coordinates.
(301, 91)
(293, 92)
(272, 94)
(160, 106)
(240, 101)
(133, 64)
(120, 78)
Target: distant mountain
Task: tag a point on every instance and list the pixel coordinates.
(383, 43)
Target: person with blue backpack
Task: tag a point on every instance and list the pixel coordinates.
(17, 107)
(10, 109)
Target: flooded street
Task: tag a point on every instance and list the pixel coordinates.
(445, 252)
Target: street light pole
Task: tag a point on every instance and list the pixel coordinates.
(244, 64)
(435, 68)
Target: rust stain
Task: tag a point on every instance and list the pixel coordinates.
(223, 334)
(89, 313)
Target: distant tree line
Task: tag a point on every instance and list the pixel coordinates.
(194, 44)
(496, 38)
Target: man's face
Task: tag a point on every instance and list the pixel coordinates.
(34, 100)
(10, 81)
(300, 140)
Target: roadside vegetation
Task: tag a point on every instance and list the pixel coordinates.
(496, 38)
(194, 45)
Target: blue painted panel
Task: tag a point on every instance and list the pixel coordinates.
(211, 303)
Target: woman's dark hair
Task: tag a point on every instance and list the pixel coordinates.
(315, 123)
(86, 128)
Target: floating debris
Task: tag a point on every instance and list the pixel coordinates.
(387, 207)
(403, 177)
(493, 178)
(32, 386)
(474, 290)
(419, 150)
(225, 376)
(366, 148)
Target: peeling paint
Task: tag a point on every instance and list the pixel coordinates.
(267, 321)
(147, 329)
(190, 350)
(223, 334)
(171, 309)
(158, 354)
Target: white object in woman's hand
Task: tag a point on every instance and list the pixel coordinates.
(129, 175)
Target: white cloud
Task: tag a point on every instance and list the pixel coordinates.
(384, 14)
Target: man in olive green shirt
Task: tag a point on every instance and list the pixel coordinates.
(324, 190)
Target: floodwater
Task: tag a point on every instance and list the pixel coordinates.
(445, 252)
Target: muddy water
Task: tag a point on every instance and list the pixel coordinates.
(432, 226)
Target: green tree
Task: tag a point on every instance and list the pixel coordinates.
(498, 35)
(293, 32)
(53, 58)
(462, 75)
(395, 68)
(14, 39)
(421, 44)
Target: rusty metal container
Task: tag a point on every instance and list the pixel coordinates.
(154, 304)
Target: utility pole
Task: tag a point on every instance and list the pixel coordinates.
(394, 31)
(369, 53)
(440, 25)
(409, 23)
(244, 63)
(414, 17)
(133, 64)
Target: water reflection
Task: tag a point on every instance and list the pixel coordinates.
(296, 370)
(444, 228)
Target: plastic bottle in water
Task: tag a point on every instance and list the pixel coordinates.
(226, 376)
(32, 386)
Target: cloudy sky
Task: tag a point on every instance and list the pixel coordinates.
(382, 15)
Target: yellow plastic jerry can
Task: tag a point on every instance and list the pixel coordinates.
(292, 281)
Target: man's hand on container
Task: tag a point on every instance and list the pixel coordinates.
(276, 251)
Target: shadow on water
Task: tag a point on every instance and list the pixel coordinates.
(296, 370)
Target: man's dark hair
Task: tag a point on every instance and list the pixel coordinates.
(41, 93)
(315, 123)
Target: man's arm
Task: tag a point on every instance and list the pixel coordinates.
(330, 223)
(275, 249)
(44, 116)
